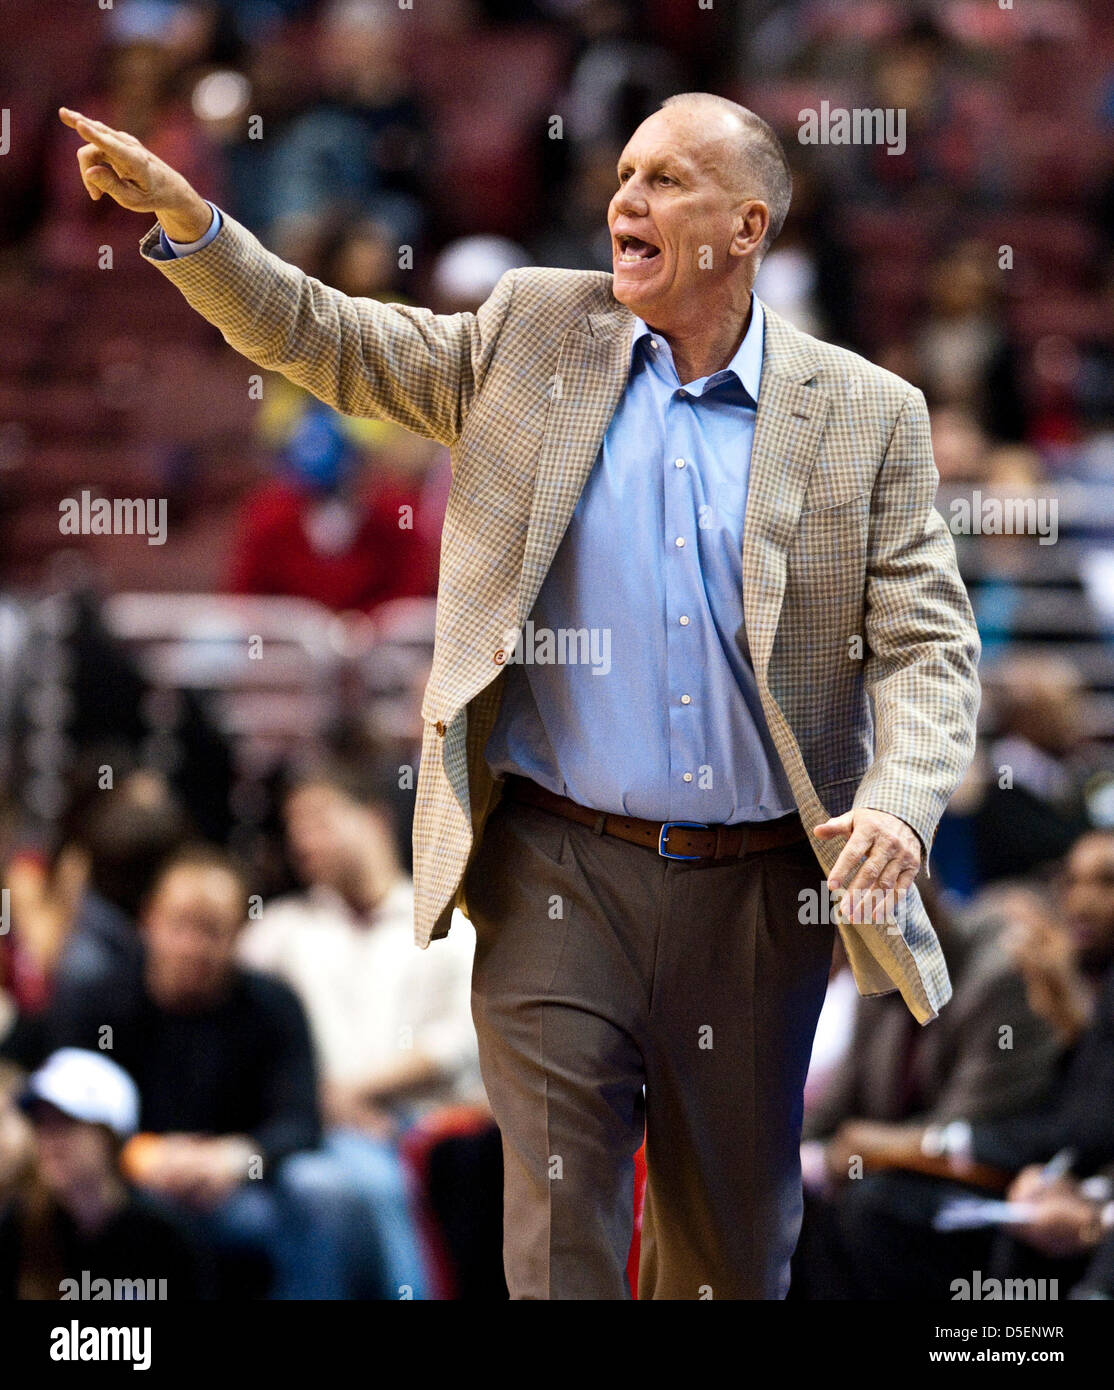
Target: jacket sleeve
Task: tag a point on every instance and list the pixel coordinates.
(922, 646)
(392, 362)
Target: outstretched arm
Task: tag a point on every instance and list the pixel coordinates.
(387, 361)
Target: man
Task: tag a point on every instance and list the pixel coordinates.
(886, 1225)
(227, 1085)
(393, 1031)
(735, 524)
(992, 1055)
(326, 526)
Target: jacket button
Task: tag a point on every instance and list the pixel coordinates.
(500, 657)
(440, 727)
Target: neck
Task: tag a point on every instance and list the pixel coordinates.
(700, 349)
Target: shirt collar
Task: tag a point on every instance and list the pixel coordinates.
(747, 362)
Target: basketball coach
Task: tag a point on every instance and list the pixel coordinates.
(742, 518)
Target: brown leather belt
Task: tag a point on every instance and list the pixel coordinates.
(671, 839)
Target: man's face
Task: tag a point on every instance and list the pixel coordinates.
(191, 928)
(327, 834)
(681, 217)
(1088, 900)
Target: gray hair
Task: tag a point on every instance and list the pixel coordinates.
(761, 154)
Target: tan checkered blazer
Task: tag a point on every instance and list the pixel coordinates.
(850, 587)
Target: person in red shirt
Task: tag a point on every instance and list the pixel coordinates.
(335, 525)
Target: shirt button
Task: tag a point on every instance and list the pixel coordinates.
(679, 542)
(687, 777)
(654, 344)
(682, 395)
(684, 620)
(686, 699)
(678, 463)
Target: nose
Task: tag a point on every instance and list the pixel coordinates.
(629, 200)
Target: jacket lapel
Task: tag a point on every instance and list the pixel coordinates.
(590, 379)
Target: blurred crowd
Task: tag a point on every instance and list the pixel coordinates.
(224, 1063)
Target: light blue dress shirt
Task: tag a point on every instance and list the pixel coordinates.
(655, 712)
(628, 691)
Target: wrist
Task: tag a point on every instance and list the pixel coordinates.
(188, 222)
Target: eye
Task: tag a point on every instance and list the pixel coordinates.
(624, 175)
(666, 178)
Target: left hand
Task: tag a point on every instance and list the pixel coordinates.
(881, 853)
(1064, 1222)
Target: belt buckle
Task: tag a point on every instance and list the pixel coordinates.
(667, 826)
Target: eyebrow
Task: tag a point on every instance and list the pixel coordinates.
(668, 161)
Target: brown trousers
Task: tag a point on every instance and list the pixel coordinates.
(601, 969)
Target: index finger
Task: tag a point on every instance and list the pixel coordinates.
(114, 141)
(75, 118)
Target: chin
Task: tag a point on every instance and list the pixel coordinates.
(633, 296)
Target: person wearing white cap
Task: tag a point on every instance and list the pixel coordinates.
(86, 1086)
(81, 1230)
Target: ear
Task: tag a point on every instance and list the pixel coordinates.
(751, 224)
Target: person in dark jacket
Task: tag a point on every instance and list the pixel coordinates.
(1057, 1154)
(227, 1084)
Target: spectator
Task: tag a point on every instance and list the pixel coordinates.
(80, 1223)
(888, 1237)
(959, 445)
(965, 360)
(126, 835)
(897, 1078)
(393, 1025)
(359, 146)
(328, 530)
(224, 1067)
(1033, 806)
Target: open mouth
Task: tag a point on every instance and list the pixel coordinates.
(633, 249)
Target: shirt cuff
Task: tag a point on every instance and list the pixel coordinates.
(187, 248)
